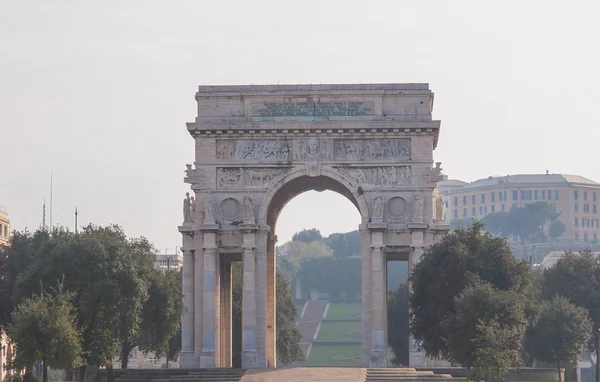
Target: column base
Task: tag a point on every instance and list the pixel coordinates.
(378, 358)
(249, 359)
(208, 358)
(186, 360)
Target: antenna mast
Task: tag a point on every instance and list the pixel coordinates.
(76, 219)
(50, 201)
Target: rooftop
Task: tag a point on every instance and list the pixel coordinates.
(530, 180)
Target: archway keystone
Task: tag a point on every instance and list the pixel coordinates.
(256, 147)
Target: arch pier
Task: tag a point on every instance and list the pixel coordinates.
(257, 147)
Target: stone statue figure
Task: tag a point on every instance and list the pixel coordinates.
(417, 206)
(248, 210)
(312, 150)
(439, 206)
(187, 207)
(378, 206)
(209, 210)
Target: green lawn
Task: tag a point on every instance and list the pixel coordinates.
(334, 355)
(339, 310)
(340, 331)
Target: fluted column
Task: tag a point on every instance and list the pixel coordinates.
(378, 353)
(187, 324)
(249, 349)
(208, 355)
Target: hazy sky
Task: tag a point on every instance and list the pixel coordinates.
(99, 92)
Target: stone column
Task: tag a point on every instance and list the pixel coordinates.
(366, 294)
(271, 302)
(261, 296)
(416, 357)
(187, 324)
(198, 295)
(225, 313)
(208, 355)
(378, 352)
(249, 349)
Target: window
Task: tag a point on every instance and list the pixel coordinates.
(576, 195)
(480, 210)
(539, 194)
(594, 209)
(525, 195)
(502, 196)
(585, 222)
(595, 223)
(502, 207)
(493, 196)
(464, 200)
(515, 195)
(464, 212)
(473, 199)
(455, 201)
(594, 196)
(482, 198)
(576, 235)
(446, 203)
(576, 207)
(585, 236)
(456, 212)
(586, 208)
(493, 208)
(552, 194)
(585, 195)
(473, 211)
(514, 205)
(595, 238)
(576, 222)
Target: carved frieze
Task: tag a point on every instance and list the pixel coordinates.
(250, 177)
(372, 149)
(253, 150)
(381, 176)
(312, 149)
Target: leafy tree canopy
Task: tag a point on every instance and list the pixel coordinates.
(307, 235)
(560, 334)
(447, 268)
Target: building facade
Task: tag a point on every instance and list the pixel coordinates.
(6, 348)
(4, 226)
(576, 198)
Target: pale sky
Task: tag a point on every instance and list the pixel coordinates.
(99, 92)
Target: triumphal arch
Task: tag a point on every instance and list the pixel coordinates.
(256, 147)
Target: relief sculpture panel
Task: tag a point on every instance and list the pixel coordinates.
(253, 150)
(372, 149)
(249, 177)
(381, 176)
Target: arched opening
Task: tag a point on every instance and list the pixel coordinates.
(322, 267)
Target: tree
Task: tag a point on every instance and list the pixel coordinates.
(447, 268)
(161, 315)
(561, 332)
(307, 235)
(131, 288)
(345, 244)
(527, 222)
(500, 315)
(556, 229)
(497, 224)
(496, 349)
(398, 332)
(288, 335)
(576, 277)
(43, 329)
(462, 223)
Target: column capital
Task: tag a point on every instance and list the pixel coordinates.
(187, 251)
(248, 227)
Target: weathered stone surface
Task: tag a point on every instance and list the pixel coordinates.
(258, 146)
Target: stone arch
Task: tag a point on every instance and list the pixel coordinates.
(298, 182)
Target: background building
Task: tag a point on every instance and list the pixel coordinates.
(166, 261)
(576, 199)
(4, 226)
(6, 349)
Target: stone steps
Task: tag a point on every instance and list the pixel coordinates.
(406, 374)
(181, 375)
